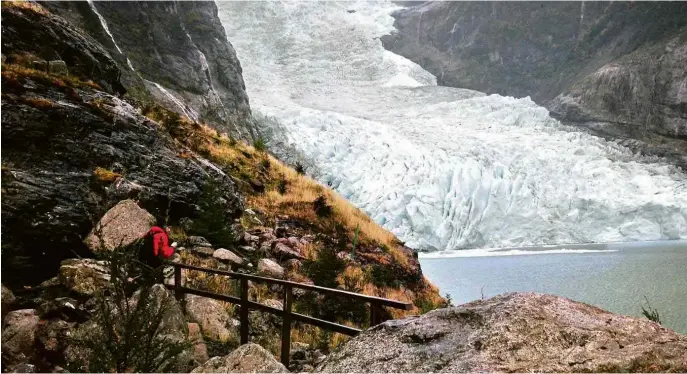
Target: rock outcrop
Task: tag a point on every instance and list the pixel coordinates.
(173, 51)
(516, 332)
(248, 358)
(122, 225)
(84, 276)
(54, 143)
(49, 37)
(18, 334)
(210, 315)
(620, 63)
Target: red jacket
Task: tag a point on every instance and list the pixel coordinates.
(161, 242)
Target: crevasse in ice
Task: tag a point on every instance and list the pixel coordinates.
(442, 168)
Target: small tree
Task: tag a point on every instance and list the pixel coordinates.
(650, 313)
(127, 333)
(259, 144)
(212, 222)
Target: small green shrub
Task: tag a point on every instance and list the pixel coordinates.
(300, 168)
(126, 335)
(322, 209)
(650, 313)
(259, 144)
(212, 222)
(282, 185)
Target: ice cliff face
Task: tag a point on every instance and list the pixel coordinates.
(440, 167)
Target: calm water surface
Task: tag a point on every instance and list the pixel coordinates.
(615, 277)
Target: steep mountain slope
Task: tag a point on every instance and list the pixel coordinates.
(618, 67)
(72, 150)
(174, 52)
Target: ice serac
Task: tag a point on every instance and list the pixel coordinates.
(442, 168)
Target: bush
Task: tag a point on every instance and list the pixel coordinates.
(322, 209)
(259, 144)
(650, 313)
(282, 185)
(212, 222)
(126, 335)
(300, 168)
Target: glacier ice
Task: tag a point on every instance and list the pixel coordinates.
(442, 168)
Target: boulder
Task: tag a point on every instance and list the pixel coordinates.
(18, 336)
(52, 339)
(123, 224)
(199, 350)
(270, 268)
(84, 276)
(515, 332)
(248, 358)
(203, 251)
(198, 241)
(293, 264)
(227, 256)
(284, 252)
(8, 300)
(210, 315)
(57, 67)
(249, 239)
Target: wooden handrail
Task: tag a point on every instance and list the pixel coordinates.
(286, 313)
(332, 291)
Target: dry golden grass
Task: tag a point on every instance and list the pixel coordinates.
(105, 176)
(28, 5)
(39, 102)
(17, 72)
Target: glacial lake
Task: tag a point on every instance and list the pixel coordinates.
(615, 277)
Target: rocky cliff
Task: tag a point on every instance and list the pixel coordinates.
(618, 68)
(174, 52)
(517, 332)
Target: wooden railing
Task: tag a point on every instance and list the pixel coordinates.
(286, 313)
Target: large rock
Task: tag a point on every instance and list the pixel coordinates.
(284, 252)
(514, 332)
(18, 336)
(227, 256)
(8, 300)
(84, 276)
(199, 348)
(248, 358)
(270, 268)
(211, 315)
(122, 225)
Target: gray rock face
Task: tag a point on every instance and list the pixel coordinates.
(516, 332)
(619, 63)
(18, 335)
(50, 194)
(180, 46)
(248, 358)
(123, 224)
(50, 37)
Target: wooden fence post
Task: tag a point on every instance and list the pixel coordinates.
(286, 327)
(244, 311)
(374, 314)
(178, 294)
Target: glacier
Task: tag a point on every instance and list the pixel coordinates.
(442, 168)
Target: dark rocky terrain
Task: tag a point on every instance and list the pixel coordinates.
(618, 68)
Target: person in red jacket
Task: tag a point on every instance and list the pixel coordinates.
(156, 248)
